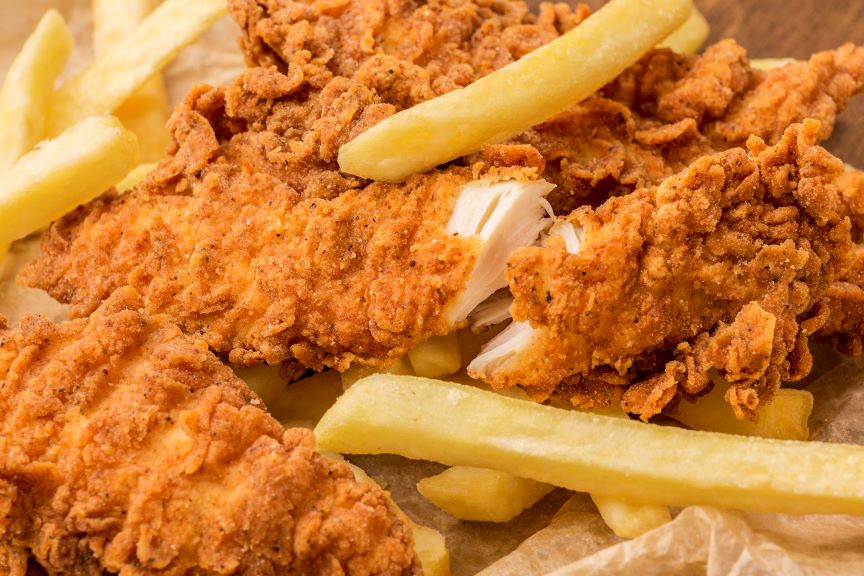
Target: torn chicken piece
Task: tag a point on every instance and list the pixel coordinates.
(128, 447)
(725, 265)
(502, 217)
(492, 311)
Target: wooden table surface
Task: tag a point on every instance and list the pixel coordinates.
(795, 29)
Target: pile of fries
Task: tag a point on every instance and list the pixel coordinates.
(61, 146)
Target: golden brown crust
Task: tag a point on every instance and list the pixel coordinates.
(127, 446)
(670, 109)
(723, 266)
(845, 327)
(243, 241)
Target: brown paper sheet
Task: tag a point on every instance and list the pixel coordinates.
(563, 534)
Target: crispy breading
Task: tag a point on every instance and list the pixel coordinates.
(845, 327)
(670, 109)
(128, 447)
(723, 266)
(250, 236)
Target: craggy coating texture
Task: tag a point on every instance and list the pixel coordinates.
(650, 123)
(251, 237)
(669, 110)
(845, 328)
(226, 240)
(128, 447)
(723, 266)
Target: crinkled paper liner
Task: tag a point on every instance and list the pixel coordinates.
(563, 534)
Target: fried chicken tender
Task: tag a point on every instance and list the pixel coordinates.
(724, 266)
(251, 237)
(670, 109)
(127, 447)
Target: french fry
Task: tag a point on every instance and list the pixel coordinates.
(135, 177)
(299, 404)
(28, 87)
(463, 426)
(784, 418)
(770, 63)
(64, 173)
(690, 36)
(146, 111)
(116, 75)
(481, 494)
(516, 97)
(438, 356)
(629, 520)
(432, 551)
(401, 367)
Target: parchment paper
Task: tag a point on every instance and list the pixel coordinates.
(563, 534)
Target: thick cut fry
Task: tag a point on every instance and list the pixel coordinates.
(135, 176)
(690, 36)
(464, 426)
(516, 97)
(401, 367)
(63, 173)
(114, 77)
(146, 111)
(436, 357)
(299, 404)
(481, 494)
(784, 418)
(432, 551)
(629, 520)
(770, 63)
(28, 87)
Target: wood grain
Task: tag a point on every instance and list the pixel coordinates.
(795, 29)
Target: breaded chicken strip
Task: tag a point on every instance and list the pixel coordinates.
(128, 447)
(650, 123)
(724, 266)
(226, 240)
(251, 237)
(670, 109)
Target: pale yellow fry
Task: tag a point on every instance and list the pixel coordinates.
(135, 177)
(690, 36)
(28, 87)
(299, 404)
(481, 494)
(115, 76)
(146, 111)
(432, 551)
(771, 63)
(784, 418)
(464, 426)
(438, 356)
(113, 20)
(629, 520)
(625, 518)
(401, 367)
(516, 97)
(64, 173)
